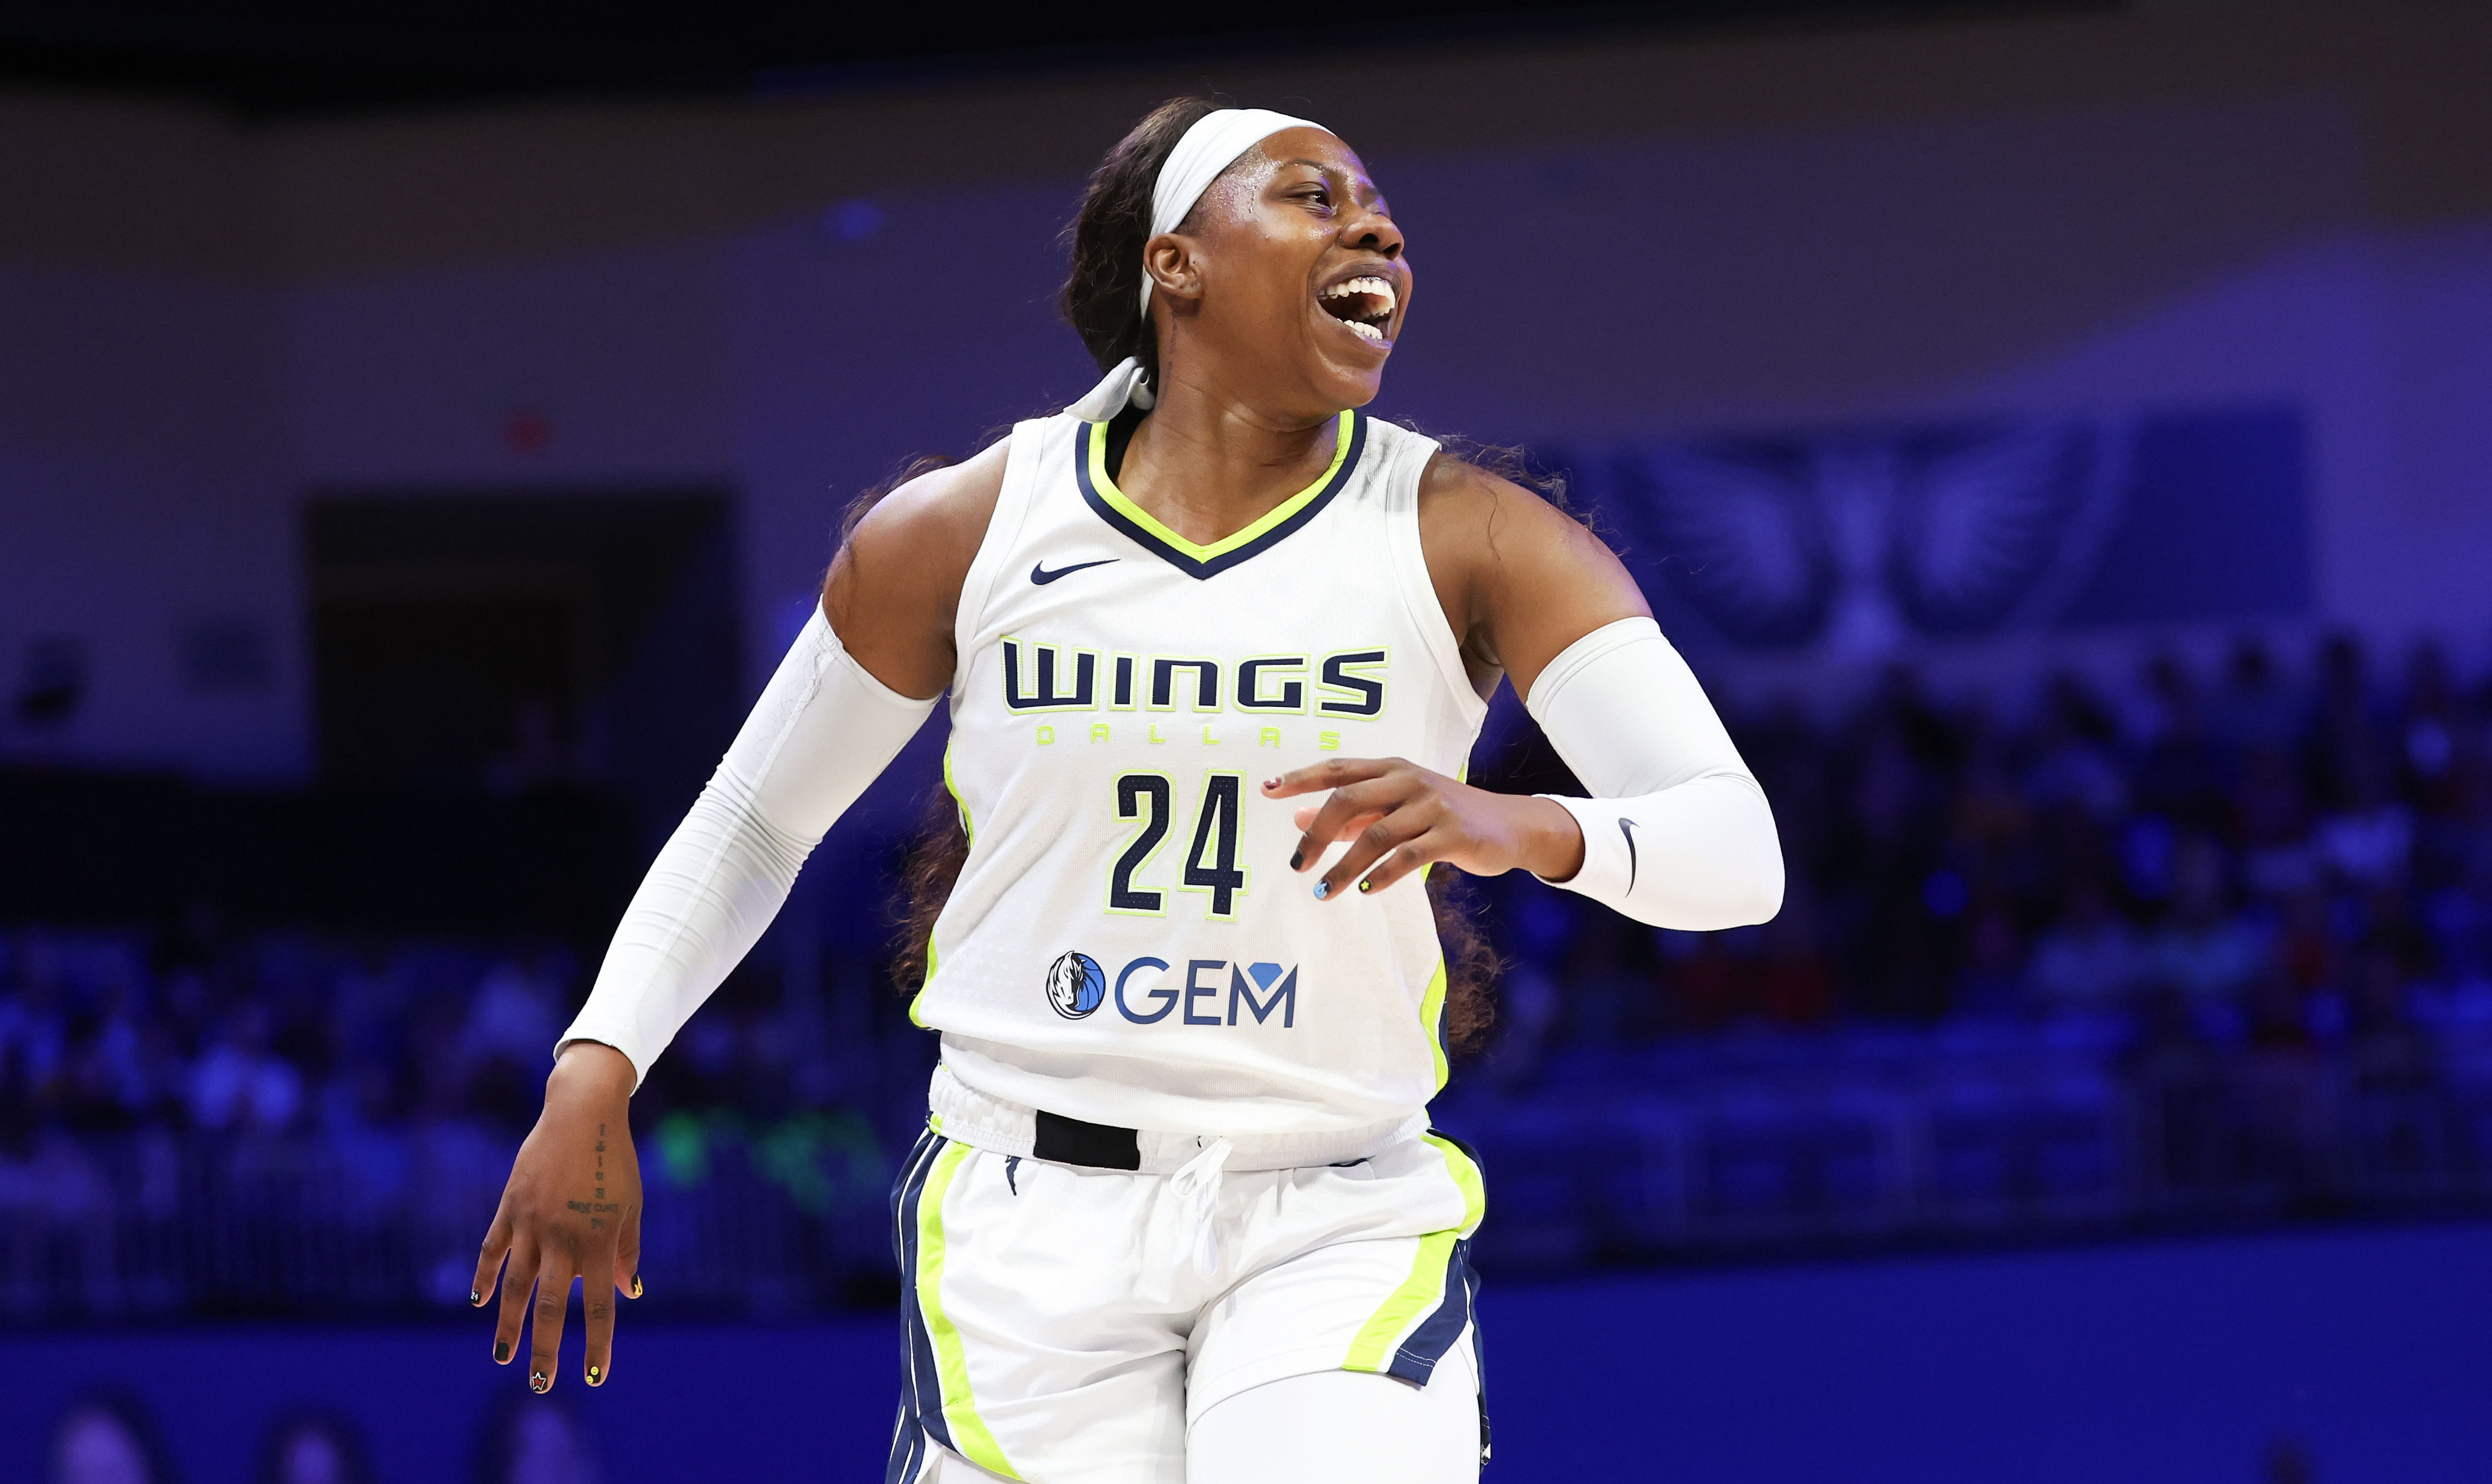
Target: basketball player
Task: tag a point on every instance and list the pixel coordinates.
(1217, 645)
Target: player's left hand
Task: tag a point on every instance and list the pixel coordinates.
(1398, 816)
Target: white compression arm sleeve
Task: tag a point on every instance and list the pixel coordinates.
(821, 732)
(1677, 833)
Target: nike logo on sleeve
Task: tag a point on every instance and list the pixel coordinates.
(1039, 575)
(1626, 828)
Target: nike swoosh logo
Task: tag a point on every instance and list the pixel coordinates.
(1626, 828)
(1039, 574)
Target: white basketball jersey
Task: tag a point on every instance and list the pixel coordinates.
(1126, 944)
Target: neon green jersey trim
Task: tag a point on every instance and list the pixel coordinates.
(1425, 1286)
(1432, 1011)
(1418, 1295)
(969, 1432)
(967, 828)
(1466, 1179)
(1116, 500)
(919, 998)
(969, 831)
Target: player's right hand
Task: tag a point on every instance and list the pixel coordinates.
(572, 1210)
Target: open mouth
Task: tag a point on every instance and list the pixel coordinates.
(1365, 304)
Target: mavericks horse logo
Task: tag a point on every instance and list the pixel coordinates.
(1076, 985)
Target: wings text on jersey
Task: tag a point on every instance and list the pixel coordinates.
(1040, 676)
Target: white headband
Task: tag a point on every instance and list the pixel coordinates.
(1212, 145)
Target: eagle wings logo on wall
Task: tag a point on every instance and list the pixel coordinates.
(1849, 544)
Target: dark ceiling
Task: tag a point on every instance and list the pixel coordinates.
(294, 56)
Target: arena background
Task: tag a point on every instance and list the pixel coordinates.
(2061, 437)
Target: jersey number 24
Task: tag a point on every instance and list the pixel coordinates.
(1148, 799)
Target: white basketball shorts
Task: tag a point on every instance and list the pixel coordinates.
(1067, 1325)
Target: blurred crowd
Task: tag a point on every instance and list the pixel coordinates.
(2271, 855)
(111, 1437)
(102, 1032)
(195, 1028)
(2268, 855)
(2253, 901)
(193, 1119)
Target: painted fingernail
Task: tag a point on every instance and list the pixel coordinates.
(1271, 782)
(1296, 859)
(474, 1297)
(538, 1380)
(1324, 889)
(1365, 887)
(636, 1284)
(501, 1352)
(596, 1377)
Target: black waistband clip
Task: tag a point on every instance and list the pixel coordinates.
(1072, 1141)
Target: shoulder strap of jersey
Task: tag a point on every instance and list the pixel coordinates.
(1398, 476)
(1034, 446)
(1396, 459)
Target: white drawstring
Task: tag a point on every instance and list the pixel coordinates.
(1196, 1188)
